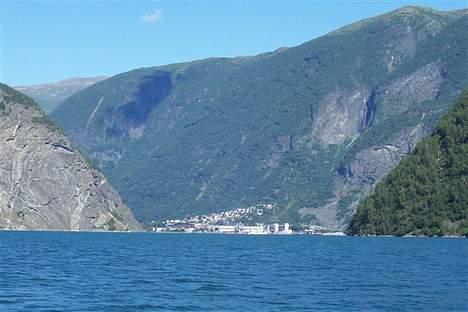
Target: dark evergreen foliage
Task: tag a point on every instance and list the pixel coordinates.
(427, 193)
(11, 95)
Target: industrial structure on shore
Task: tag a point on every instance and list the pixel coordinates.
(239, 228)
(256, 229)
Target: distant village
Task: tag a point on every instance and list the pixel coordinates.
(237, 222)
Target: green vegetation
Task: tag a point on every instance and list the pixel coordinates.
(49, 123)
(20, 215)
(427, 193)
(110, 225)
(13, 96)
(229, 133)
(10, 95)
(3, 108)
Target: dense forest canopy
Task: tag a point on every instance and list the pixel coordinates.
(427, 193)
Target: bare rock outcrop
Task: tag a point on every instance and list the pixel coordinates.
(340, 116)
(44, 183)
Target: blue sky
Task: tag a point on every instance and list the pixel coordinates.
(42, 41)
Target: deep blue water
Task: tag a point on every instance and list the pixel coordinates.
(45, 271)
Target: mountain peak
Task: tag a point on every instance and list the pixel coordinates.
(310, 129)
(414, 9)
(410, 15)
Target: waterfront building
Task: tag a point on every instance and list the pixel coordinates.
(287, 230)
(226, 229)
(275, 228)
(252, 229)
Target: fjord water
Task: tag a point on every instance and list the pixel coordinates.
(54, 271)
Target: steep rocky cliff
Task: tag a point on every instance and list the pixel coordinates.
(309, 129)
(427, 192)
(44, 182)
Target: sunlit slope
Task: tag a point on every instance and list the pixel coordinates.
(309, 128)
(427, 193)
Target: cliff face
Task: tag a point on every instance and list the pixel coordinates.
(309, 129)
(426, 193)
(44, 182)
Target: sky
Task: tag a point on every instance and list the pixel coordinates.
(44, 41)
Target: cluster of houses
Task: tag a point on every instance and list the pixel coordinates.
(230, 216)
(238, 221)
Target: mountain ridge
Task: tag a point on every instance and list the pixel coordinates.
(50, 95)
(310, 128)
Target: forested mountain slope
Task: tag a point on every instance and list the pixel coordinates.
(427, 193)
(309, 129)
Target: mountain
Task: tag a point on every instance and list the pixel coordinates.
(50, 95)
(44, 183)
(427, 193)
(309, 129)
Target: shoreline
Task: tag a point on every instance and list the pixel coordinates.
(232, 234)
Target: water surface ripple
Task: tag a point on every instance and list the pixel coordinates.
(55, 271)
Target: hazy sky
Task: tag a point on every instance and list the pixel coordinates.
(42, 41)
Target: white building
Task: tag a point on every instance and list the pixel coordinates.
(287, 230)
(275, 228)
(252, 229)
(226, 229)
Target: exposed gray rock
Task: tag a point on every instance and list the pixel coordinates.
(366, 168)
(310, 129)
(401, 48)
(345, 114)
(407, 91)
(340, 116)
(372, 164)
(45, 183)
